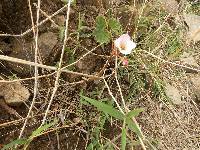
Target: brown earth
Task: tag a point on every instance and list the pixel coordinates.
(175, 126)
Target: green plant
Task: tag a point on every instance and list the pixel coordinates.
(66, 1)
(20, 142)
(113, 112)
(105, 29)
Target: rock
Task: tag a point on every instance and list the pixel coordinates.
(171, 6)
(87, 64)
(25, 50)
(60, 20)
(196, 82)
(188, 59)
(14, 93)
(46, 43)
(193, 22)
(174, 94)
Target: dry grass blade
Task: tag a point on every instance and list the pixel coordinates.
(172, 63)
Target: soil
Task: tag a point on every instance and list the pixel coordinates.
(15, 19)
(158, 122)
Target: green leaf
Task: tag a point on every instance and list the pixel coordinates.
(67, 49)
(14, 143)
(102, 36)
(134, 113)
(115, 25)
(61, 33)
(123, 137)
(84, 102)
(66, 2)
(130, 122)
(90, 147)
(41, 129)
(108, 109)
(133, 126)
(101, 23)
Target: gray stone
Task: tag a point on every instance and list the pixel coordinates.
(14, 93)
(25, 50)
(174, 94)
(46, 43)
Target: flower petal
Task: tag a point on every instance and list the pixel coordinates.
(124, 44)
(129, 45)
(117, 43)
(125, 37)
(121, 40)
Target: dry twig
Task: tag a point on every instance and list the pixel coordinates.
(36, 67)
(60, 64)
(39, 24)
(21, 61)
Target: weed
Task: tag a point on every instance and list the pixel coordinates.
(106, 28)
(25, 142)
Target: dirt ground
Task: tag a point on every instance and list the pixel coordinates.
(167, 125)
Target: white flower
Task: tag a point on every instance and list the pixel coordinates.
(124, 44)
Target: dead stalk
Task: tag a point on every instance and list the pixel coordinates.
(46, 15)
(59, 66)
(39, 24)
(21, 61)
(171, 63)
(36, 67)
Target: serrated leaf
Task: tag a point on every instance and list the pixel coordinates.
(102, 36)
(134, 112)
(101, 23)
(108, 109)
(114, 25)
(14, 143)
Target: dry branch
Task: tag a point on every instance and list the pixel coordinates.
(21, 61)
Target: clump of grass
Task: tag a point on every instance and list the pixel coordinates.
(193, 7)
